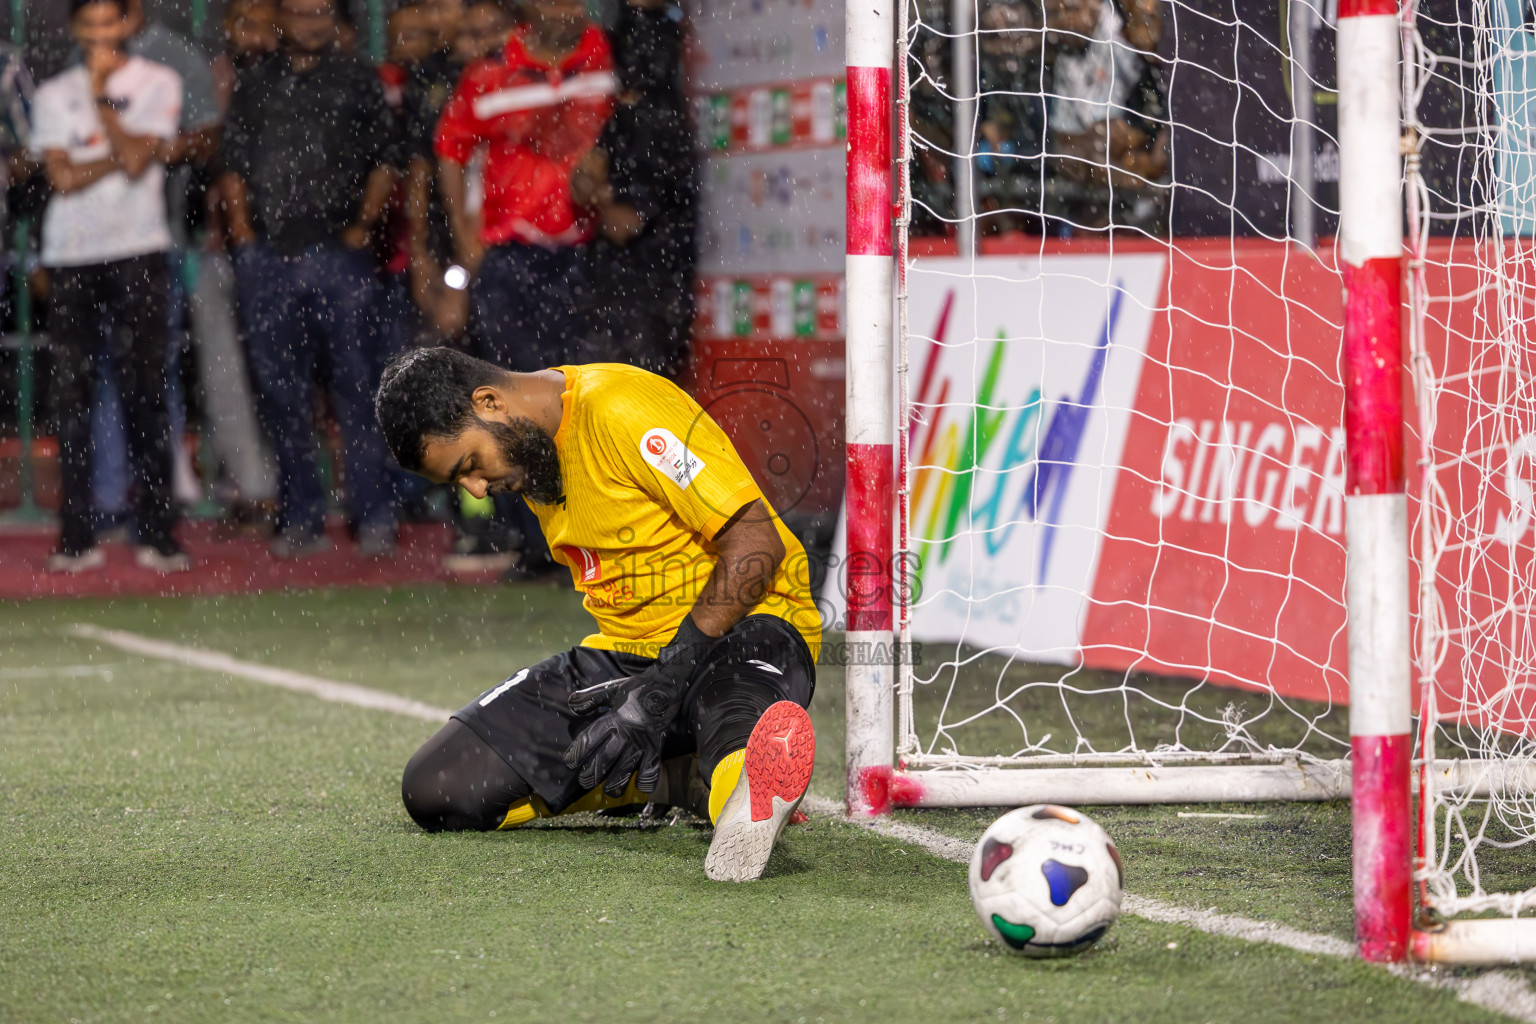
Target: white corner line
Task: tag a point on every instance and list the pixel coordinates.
(1499, 991)
(313, 686)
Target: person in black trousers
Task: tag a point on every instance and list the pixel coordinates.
(103, 127)
(311, 151)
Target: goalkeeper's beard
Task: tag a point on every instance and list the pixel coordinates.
(525, 445)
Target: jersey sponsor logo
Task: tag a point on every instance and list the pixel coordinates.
(585, 560)
(503, 688)
(662, 449)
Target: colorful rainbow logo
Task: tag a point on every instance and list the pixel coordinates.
(950, 445)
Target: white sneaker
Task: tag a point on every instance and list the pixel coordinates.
(148, 557)
(781, 754)
(85, 561)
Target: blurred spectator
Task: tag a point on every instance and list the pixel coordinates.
(439, 286)
(103, 128)
(1010, 113)
(1071, 119)
(1103, 79)
(641, 182)
(250, 34)
(488, 539)
(197, 140)
(309, 149)
(247, 482)
(481, 32)
(445, 16)
(247, 485)
(198, 137)
(538, 111)
(411, 38)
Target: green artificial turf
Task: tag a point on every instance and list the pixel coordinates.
(182, 846)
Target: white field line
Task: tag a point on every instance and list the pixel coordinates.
(298, 682)
(1498, 991)
(103, 669)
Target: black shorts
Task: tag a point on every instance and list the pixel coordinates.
(529, 722)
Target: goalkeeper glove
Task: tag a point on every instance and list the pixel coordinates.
(626, 739)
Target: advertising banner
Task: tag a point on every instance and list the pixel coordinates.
(1132, 461)
(1026, 369)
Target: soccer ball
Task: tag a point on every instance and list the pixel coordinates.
(1046, 881)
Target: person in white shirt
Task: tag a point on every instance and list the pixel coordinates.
(103, 128)
(1107, 110)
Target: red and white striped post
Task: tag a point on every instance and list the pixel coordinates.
(1376, 505)
(870, 42)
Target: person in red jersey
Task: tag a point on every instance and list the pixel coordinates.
(537, 111)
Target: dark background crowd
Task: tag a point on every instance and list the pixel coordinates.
(250, 237)
(1070, 130)
(244, 239)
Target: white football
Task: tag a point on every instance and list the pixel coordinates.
(1046, 881)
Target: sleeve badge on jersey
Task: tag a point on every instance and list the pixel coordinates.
(662, 449)
(585, 560)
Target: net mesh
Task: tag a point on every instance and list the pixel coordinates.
(1122, 514)
(1471, 287)
(1123, 460)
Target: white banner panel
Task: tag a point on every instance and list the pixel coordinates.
(773, 212)
(747, 42)
(1024, 373)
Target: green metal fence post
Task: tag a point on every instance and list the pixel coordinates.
(376, 24)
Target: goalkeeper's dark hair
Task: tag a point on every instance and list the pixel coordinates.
(426, 393)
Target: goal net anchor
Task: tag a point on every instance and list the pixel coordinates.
(1476, 942)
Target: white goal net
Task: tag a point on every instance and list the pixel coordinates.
(1124, 462)
(1472, 286)
(1123, 466)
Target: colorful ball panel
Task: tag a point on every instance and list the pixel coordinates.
(1046, 881)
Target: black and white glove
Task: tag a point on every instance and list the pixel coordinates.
(626, 738)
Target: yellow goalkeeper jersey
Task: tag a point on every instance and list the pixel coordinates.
(649, 479)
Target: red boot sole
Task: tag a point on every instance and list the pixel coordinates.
(781, 754)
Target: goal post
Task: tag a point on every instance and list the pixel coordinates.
(1376, 503)
(870, 423)
(1134, 292)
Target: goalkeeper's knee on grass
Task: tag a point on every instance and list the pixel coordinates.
(456, 783)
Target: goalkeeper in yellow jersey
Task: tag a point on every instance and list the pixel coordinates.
(707, 634)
